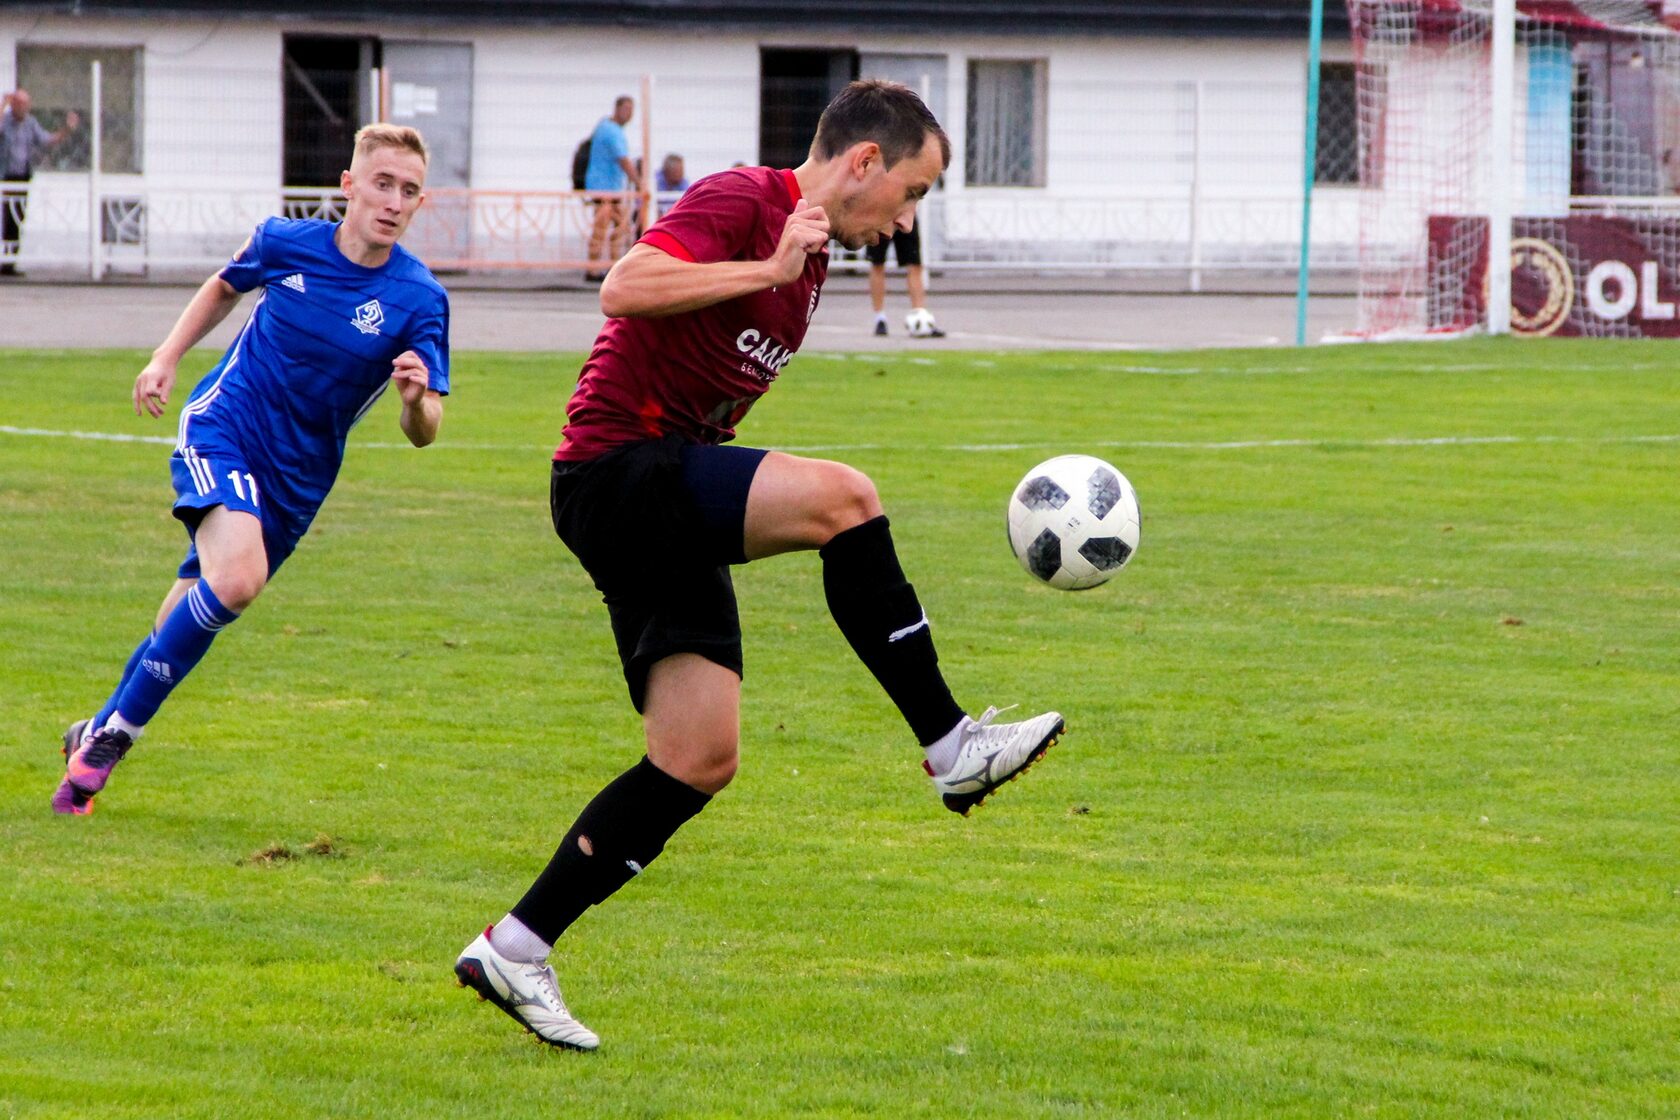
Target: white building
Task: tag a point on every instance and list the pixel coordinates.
(1085, 133)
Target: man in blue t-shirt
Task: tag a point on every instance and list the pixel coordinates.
(344, 313)
(610, 170)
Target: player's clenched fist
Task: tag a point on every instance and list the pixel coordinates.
(410, 374)
(806, 232)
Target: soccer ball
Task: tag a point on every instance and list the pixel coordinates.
(920, 323)
(1074, 522)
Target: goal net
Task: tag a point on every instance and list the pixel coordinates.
(1590, 186)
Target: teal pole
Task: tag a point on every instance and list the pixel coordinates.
(1310, 165)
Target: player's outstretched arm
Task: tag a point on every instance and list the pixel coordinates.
(422, 408)
(208, 306)
(648, 282)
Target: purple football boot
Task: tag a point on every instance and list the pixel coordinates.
(89, 769)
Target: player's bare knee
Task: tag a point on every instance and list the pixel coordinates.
(707, 767)
(719, 772)
(237, 585)
(852, 500)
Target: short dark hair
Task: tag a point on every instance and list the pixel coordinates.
(888, 113)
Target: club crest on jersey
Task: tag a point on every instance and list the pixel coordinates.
(763, 350)
(368, 317)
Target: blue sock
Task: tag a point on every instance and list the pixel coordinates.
(128, 671)
(179, 644)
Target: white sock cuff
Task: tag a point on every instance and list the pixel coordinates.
(118, 723)
(942, 752)
(514, 940)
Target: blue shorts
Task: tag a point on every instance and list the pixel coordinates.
(715, 480)
(214, 472)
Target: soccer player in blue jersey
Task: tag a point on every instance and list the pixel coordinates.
(343, 313)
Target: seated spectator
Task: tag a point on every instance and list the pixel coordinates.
(671, 179)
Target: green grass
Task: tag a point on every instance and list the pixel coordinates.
(1331, 834)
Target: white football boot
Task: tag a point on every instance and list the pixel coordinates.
(526, 990)
(992, 754)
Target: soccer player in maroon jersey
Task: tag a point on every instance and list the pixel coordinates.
(704, 312)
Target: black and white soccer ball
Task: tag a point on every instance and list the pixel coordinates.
(1074, 522)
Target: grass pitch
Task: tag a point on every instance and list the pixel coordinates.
(1367, 806)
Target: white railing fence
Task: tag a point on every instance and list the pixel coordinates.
(1174, 179)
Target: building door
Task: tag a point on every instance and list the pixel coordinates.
(326, 97)
(794, 88)
(430, 88)
(1617, 146)
(926, 74)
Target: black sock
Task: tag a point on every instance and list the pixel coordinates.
(614, 838)
(878, 612)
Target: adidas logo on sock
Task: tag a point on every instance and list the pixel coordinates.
(158, 669)
(294, 282)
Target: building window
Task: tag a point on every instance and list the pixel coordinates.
(1006, 123)
(1620, 102)
(60, 79)
(1338, 125)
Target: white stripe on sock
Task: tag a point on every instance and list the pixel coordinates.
(898, 635)
(201, 612)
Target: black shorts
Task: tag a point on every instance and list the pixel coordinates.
(656, 525)
(907, 248)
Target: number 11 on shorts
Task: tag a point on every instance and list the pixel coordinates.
(239, 487)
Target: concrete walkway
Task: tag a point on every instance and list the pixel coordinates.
(979, 314)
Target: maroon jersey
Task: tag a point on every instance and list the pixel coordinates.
(696, 374)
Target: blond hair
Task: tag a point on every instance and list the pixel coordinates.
(372, 137)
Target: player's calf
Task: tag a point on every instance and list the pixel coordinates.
(881, 618)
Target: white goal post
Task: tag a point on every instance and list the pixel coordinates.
(1542, 133)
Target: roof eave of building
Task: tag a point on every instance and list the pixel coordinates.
(1024, 18)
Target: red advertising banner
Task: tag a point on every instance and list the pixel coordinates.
(1582, 276)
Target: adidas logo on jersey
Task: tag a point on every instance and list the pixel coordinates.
(294, 282)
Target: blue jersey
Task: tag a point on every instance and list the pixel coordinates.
(607, 146)
(314, 356)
